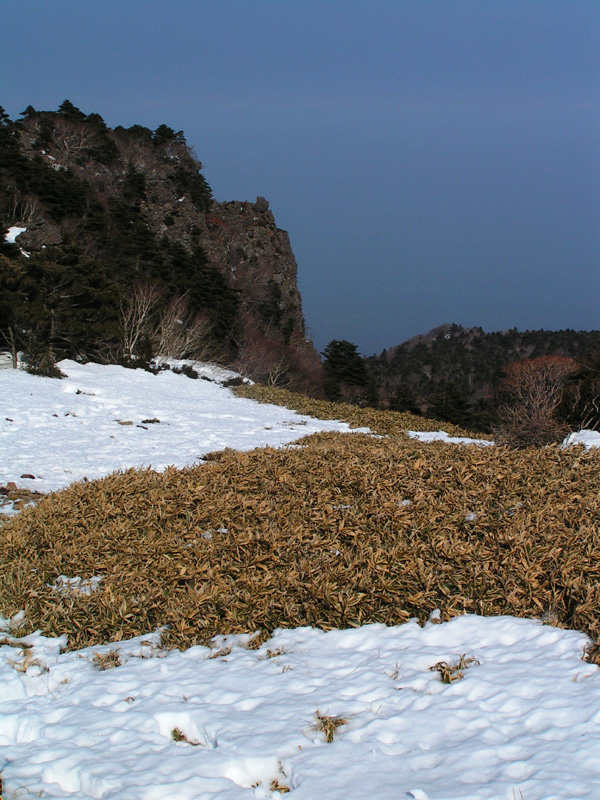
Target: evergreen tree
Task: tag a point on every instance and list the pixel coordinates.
(68, 110)
(346, 375)
(404, 400)
(450, 404)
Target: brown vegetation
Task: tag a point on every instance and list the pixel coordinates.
(535, 391)
(341, 531)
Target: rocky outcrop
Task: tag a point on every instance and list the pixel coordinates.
(118, 207)
(39, 235)
(256, 258)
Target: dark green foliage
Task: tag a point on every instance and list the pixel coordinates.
(139, 132)
(450, 404)
(61, 302)
(472, 362)
(581, 403)
(404, 400)
(96, 120)
(62, 193)
(43, 364)
(346, 375)
(134, 186)
(195, 184)
(270, 308)
(29, 112)
(165, 135)
(66, 176)
(68, 110)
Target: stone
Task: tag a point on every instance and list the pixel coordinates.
(261, 205)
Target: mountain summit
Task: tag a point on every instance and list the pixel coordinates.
(100, 225)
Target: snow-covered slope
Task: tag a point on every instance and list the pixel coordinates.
(103, 418)
(521, 722)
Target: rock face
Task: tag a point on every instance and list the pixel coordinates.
(120, 207)
(256, 258)
(40, 235)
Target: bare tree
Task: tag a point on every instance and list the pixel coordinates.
(11, 340)
(136, 315)
(181, 334)
(71, 138)
(535, 390)
(262, 360)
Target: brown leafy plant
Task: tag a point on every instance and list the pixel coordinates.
(449, 673)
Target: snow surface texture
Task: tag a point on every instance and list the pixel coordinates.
(587, 438)
(522, 722)
(103, 418)
(11, 235)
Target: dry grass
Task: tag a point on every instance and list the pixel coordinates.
(317, 535)
(17, 499)
(177, 735)
(449, 673)
(108, 660)
(388, 423)
(328, 725)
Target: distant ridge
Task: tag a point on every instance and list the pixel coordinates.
(468, 364)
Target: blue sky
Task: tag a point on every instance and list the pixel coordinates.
(433, 160)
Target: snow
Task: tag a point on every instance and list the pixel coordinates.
(442, 436)
(11, 238)
(227, 723)
(12, 233)
(235, 723)
(102, 418)
(587, 438)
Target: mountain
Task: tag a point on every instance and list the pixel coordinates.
(455, 373)
(113, 248)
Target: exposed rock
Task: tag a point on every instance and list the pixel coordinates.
(256, 258)
(39, 235)
(139, 200)
(261, 205)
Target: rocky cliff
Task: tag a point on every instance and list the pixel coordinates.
(105, 212)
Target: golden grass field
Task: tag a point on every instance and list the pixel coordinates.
(342, 530)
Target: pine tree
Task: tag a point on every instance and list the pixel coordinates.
(68, 110)
(346, 375)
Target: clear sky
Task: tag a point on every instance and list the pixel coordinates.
(433, 160)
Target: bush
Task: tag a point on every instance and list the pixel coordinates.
(534, 389)
(44, 365)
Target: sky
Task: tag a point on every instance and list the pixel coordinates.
(433, 161)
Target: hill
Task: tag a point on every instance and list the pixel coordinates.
(455, 373)
(113, 248)
(327, 614)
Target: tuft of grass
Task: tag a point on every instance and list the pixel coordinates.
(108, 660)
(327, 725)
(591, 653)
(177, 735)
(449, 673)
(276, 787)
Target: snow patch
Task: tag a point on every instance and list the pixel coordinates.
(442, 436)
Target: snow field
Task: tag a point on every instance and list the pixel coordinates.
(92, 423)
(233, 722)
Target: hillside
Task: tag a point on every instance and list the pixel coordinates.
(455, 373)
(113, 247)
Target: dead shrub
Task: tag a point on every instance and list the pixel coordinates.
(535, 390)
